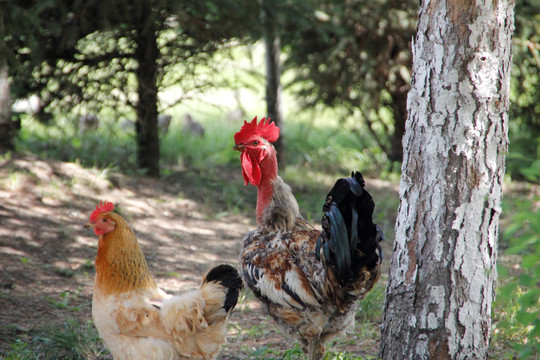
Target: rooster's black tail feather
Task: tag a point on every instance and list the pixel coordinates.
(349, 240)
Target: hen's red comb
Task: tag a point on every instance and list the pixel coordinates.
(265, 128)
(103, 207)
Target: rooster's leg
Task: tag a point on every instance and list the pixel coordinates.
(315, 350)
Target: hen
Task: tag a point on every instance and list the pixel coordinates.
(309, 280)
(138, 320)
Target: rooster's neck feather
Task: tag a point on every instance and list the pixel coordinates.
(265, 189)
(276, 205)
(120, 262)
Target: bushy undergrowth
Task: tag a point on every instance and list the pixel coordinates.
(517, 308)
(516, 311)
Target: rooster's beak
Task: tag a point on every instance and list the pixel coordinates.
(238, 147)
(89, 224)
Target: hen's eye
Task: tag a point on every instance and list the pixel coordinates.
(255, 143)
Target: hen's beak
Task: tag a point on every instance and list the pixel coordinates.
(239, 147)
(89, 224)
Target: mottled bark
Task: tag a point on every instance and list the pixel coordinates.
(146, 126)
(442, 273)
(272, 45)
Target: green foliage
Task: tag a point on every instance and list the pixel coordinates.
(355, 56)
(525, 286)
(85, 52)
(524, 131)
(68, 341)
(23, 25)
(327, 143)
(519, 299)
(350, 55)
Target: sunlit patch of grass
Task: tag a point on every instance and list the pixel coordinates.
(62, 142)
(326, 146)
(183, 150)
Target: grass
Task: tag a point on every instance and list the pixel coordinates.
(314, 161)
(70, 340)
(314, 142)
(296, 353)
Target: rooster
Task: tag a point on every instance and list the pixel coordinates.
(309, 280)
(138, 320)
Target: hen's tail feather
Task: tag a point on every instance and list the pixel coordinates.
(349, 240)
(228, 277)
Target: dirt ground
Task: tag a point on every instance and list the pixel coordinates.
(46, 256)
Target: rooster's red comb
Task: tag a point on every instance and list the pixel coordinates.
(103, 207)
(265, 128)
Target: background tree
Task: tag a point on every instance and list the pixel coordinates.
(442, 274)
(272, 50)
(113, 54)
(7, 126)
(524, 156)
(354, 55)
(19, 19)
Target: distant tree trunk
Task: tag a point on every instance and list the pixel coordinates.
(272, 45)
(399, 107)
(8, 128)
(147, 130)
(443, 270)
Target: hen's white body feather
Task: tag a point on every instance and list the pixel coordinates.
(151, 324)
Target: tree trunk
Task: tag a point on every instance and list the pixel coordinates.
(443, 270)
(8, 128)
(399, 106)
(272, 45)
(146, 126)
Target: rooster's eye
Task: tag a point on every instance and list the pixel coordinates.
(255, 143)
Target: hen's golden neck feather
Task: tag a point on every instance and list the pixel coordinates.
(120, 262)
